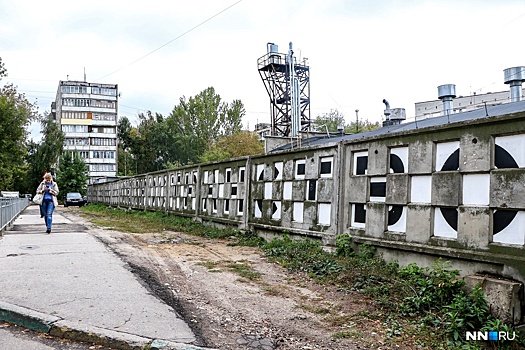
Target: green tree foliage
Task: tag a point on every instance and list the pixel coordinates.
(72, 174)
(199, 121)
(52, 144)
(194, 125)
(126, 161)
(333, 119)
(147, 147)
(242, 143)
(43, 157)
(16, 113)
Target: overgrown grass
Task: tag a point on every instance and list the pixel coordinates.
(429, 306)
(146, 221)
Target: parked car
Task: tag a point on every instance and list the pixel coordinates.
(74, 198)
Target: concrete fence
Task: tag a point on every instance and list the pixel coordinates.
(454, 191)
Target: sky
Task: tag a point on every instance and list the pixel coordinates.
(359, 51)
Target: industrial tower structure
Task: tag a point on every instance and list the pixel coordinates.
(288, 85)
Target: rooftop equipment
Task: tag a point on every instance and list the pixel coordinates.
(514, 77)
(447, 93)
(393, 116)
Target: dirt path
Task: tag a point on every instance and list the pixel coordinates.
(234, 298)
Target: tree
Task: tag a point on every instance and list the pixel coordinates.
(331, 121)
(196, 123)
(159, 142)
(72, 174)
(334, 119)
(52, 144)
(242, 143)
(16, 112)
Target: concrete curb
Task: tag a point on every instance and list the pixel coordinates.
(60, 328)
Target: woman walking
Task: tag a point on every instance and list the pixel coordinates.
(49, 189)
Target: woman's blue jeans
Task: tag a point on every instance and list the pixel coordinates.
(47, 209)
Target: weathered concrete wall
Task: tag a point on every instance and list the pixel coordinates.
(456, 191)
(504, 297)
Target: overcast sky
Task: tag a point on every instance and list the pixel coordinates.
(359, 52)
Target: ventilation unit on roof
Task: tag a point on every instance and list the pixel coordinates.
(514, 77)
(447, 93)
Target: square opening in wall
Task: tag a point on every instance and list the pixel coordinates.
(276, 210)
(326, 167)
(258, 208)
(268, 188)
(508, 227)
(240, 207)
(360, 163)
(324, 213)
(447, 156)
(259, 172)
(278, 171)
(241, 174)
(358, 215)
(298, 211)
(300, 168)
(446, 222)
(311, 190)
(287, 190)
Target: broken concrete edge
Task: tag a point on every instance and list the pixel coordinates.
(26, 318)
(60, 328)
(159, 344)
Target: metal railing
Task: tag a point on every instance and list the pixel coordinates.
(9, 210)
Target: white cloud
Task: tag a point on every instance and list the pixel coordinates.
(359, 51)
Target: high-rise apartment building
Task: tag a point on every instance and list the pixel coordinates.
(87, 114)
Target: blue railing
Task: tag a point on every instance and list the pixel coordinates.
(9, 210)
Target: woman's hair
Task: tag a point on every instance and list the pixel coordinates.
(48, 176)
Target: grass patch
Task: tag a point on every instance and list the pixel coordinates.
(152, 222)
(244, 270)
(273, 290)
(210, 265)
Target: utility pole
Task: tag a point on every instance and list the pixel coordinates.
(356, 121)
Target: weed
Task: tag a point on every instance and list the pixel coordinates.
(244, 270)
(344, 245)
(208, 264)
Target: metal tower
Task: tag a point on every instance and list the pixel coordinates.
(288, 85)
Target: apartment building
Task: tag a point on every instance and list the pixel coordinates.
(87, 114)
